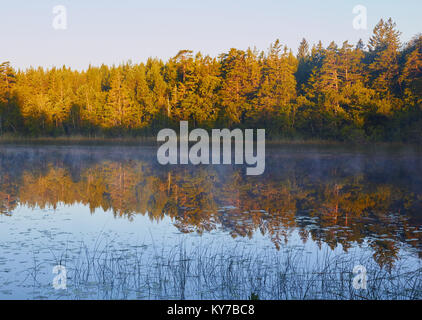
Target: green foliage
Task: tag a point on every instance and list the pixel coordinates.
(339, 92)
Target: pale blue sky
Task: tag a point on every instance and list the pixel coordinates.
(115, 31)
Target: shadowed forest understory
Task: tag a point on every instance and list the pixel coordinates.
(352, 92)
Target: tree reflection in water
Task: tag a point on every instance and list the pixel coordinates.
(331, 196)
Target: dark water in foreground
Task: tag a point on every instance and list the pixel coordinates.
(126, 227)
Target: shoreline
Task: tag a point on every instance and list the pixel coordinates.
(152, 142)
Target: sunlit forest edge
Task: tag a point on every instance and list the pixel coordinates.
(350, 92)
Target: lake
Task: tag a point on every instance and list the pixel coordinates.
(126, 227)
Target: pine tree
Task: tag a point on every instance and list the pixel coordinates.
(278, 88)
(304, 68)
(158, 87)
(119, 107)
(144, 97)
(350, 59)
(324, 83)
(7, 110)
(383, 52)
(240, 73)
(7, 81)
(411, 75)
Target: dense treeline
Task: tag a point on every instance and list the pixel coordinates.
(347, 92)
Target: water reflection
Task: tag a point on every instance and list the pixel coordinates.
(331, 196)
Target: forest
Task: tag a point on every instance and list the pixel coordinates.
(349, 92)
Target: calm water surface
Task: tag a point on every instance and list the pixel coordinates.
(80, 205)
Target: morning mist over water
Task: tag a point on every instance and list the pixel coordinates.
(313, 205)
